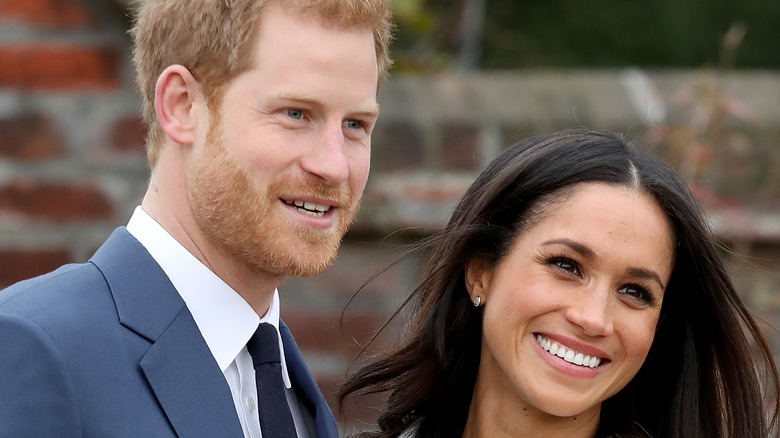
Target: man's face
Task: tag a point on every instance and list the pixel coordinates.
(286, 159)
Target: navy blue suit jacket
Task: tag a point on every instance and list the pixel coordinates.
(109, 349)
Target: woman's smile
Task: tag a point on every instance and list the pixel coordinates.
(568, 354)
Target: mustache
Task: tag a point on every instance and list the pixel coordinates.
(340, 196)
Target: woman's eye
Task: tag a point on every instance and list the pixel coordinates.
(566, 265)
(294, 113)
(637, 292)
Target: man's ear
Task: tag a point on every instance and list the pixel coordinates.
(175, 96)
(479, 272)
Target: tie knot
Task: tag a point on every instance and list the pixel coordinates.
(263, 346)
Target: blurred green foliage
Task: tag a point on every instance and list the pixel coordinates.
(580, 33)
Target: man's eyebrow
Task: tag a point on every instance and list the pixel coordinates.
(294, 99)
(370, 110)
(588, 253)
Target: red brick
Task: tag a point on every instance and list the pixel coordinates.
(357, 414)
(30, 137)
(18, 265)
(356, 263)
(128, 135)
(396, 146)
(460, 147)
(323, 331)
(54, 201)
(59, 67)
(48, 13)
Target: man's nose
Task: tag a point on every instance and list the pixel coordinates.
(326, 158)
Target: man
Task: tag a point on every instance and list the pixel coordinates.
(259, 116)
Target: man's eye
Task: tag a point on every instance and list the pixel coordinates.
(294, 113)
(353, 124)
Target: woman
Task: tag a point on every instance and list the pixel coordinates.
(576, 291)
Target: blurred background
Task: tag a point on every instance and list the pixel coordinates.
(696, 81)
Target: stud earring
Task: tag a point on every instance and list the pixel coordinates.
(477, 301)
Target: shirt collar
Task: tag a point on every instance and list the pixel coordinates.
(225, 320)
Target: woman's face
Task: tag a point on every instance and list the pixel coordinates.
(571, 310)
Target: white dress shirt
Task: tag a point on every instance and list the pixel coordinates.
(225, 320)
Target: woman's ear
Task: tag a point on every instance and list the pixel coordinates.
(478, 275)
(175, 96)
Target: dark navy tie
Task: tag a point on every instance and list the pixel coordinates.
(275, 418)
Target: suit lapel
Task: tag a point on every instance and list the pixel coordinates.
(179, 367)
(188, 383)
(307, 388)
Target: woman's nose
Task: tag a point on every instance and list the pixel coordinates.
(590, 311)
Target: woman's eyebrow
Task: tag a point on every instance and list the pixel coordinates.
(580, 248)
(646, 274)
(588, 253)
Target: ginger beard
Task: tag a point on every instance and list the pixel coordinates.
(243, 219)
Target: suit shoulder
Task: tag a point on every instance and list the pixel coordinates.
(69, 289)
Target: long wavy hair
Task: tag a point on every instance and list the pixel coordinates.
(709, 372)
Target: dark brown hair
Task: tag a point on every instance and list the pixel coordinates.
(709, 372)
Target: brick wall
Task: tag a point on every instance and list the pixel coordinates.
(72, 165)
(71, 158)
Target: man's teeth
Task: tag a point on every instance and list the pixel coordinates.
(310, 208)
(567, 354)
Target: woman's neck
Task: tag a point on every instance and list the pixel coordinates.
(494, 416)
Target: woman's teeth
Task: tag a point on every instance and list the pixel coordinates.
(567, 354)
